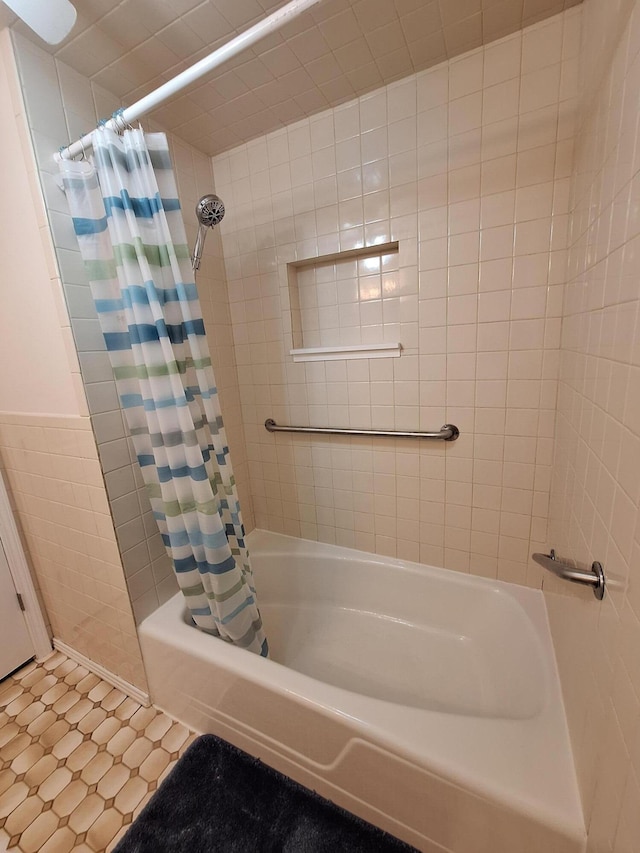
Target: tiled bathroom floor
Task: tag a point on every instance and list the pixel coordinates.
(78, 759)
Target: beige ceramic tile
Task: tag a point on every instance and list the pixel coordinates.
(113, 781)
(41, 771)
(81, 756)
(137, 752)
(85, 814)
(104, 829)
(175, 737)
(24, 815)
(76, 781)
(62, 841)
(55, 783)
(46, 463)
(38, 833)
(469, 194)
(595, 486)
(121, 741)
(131, 794)
(97, 768)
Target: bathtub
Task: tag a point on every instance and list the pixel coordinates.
(424, 700)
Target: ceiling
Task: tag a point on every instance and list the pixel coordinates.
(335, 51)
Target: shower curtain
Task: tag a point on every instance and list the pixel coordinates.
(128, 221)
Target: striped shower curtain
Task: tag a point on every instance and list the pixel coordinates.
(128, 221)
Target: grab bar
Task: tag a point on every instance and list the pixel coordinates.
(594, 578)
(448, 432)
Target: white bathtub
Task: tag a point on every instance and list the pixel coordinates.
(424, 700)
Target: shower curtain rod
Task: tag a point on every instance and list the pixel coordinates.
(124, 117)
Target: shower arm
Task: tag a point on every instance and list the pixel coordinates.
(181, 81)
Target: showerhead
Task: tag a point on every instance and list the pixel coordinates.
(209, 212)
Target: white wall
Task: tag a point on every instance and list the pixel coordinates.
(39, 372)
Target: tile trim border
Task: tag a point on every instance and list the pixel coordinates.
(44, 419)
(103, 673)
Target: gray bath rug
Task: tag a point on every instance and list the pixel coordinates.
(218, 799)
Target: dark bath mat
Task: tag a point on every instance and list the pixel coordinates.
(218, 799)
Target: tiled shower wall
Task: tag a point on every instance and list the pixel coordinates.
(61, 105)
(468, 166)
(596, 484)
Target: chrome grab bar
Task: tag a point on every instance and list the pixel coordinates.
(595, 578)
(448, 432)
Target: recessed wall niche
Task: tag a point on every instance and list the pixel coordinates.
(347, 304)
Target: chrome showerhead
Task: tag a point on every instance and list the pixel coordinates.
(210, 212)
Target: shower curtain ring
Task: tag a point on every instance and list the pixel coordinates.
(84, 153)
(121, 124)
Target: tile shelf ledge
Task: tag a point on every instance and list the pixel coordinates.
(385, 350)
